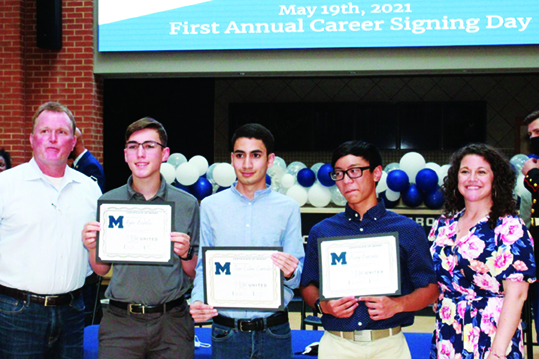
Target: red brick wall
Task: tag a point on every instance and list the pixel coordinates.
(30, 76)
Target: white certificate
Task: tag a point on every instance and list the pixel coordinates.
(237, 278)
(135, 232)
(359, 266)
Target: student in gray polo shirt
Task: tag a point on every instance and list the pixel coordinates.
(147, 314)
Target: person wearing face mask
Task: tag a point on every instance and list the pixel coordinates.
(530, 170)
(5, 160)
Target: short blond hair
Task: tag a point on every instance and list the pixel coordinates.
(54, 107)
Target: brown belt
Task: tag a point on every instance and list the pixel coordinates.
(367, 335)
(46, 300)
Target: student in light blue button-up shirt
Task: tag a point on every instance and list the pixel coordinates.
(249, 214)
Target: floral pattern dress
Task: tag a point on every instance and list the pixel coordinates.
(470, 272)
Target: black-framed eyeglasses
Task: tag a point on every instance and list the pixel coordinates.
(354, 172)
(149, 146)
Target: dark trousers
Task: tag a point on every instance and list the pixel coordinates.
(155, 335)
(91, 301)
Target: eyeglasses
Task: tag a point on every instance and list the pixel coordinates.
(149, 146)
(354, 172)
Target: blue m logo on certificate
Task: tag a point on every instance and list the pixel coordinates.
(239, 278)
(359, 265)
(135, 232)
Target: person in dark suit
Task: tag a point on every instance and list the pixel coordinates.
(86, 163)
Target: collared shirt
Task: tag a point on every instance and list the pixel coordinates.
(415, 260)
(41, 248)
(270, 219)
(156, 284)
(79, 157)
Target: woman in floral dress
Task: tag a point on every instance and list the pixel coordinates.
(483, 257)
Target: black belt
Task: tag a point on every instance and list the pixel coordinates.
(249, 325)
(145, 309)
(46, 300)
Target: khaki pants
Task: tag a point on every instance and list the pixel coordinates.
(393, 347)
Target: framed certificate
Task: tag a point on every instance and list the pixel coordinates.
(239, 278)
(359, 266)
(134, 232)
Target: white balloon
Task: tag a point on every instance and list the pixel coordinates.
(176, 159)
(275, 185)
(209, 173)
(168, 171)
(392, 195)
(382, 184)
(319, 195)
(288, 180)
(299, 193)
(411, 163)
(442, 174)
(275, 171)
(201, 163)
(295, 167)
(392, 166)
(518, 161)
(519, 186)
(433, 166)
(336, 196)
(316, 167)
(279, 162)
(224, 174)
(187, 174)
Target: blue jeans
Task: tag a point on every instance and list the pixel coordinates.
(30, 330)
(272, 343)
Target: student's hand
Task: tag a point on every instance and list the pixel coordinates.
(202, 312)
(528, 165)
(286, 262)
(381, 307)
(340, 308)
(181, 243)
(89, 234)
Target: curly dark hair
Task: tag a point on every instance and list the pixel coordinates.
(503, 183)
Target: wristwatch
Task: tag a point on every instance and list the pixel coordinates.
(318, 306)
(189, 255)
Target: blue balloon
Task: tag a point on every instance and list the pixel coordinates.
(323, 175)
(427, 180)
(397, 180)
(412, 196)
(201, 188)
(181, 186)
(306, 177)
(268, 179)
(387, 203)
(533, 155)
(435, 199)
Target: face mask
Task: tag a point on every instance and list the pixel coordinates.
(534, 143)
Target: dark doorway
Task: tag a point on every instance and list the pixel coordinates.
(183, 106)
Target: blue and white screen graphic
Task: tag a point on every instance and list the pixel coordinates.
(170, 25)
